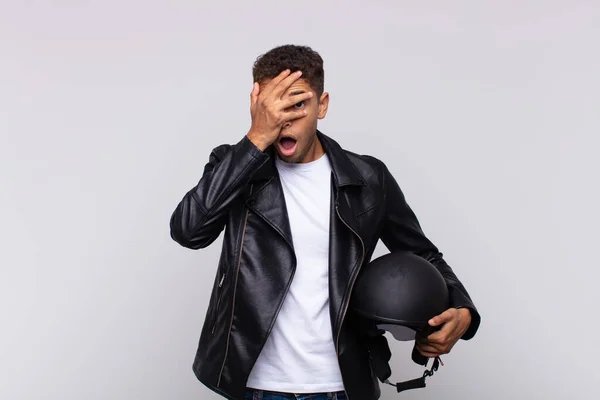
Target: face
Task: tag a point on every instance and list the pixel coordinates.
(297, 141)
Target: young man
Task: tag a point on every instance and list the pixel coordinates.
(301, 217)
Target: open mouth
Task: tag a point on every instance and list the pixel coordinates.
(287, 145)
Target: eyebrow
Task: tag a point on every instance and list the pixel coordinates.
(295, 92)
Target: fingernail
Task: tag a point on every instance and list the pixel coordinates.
(299, 73)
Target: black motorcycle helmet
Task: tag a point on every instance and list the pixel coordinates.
(399, 292)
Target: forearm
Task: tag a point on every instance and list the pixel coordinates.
(200, 216)
(402, 231)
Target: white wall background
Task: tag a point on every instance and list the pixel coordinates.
(486, 111)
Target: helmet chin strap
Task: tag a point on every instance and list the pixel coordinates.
(380, 356)
(418, 382)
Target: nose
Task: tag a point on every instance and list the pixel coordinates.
(287, 125)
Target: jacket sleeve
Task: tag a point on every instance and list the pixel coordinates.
(200, 217)
(402, 232)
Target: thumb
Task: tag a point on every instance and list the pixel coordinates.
(441, 318)
(254, 94)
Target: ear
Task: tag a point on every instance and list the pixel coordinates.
(323, 105)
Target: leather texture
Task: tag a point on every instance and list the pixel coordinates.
(240, 194)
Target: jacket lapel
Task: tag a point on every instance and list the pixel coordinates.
(267, 200)
(345, 178)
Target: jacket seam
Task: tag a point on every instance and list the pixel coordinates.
(235, 182)
(209, 212)
(375, 205)
(239, 239)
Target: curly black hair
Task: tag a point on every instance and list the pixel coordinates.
(294, 57)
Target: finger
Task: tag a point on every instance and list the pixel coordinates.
(443, 334)
(439, 345)
(293, 100)
(430, 355)
(284, 85)
(428, 351)
(437, 337)
(428, 348)
(421, 338)
(442, 318)
(443, 341)
(269, 87)
(292, 115)
(434, 348)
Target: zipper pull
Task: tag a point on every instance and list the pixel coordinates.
(222, 279)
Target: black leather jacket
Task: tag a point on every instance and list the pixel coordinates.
(240, 193)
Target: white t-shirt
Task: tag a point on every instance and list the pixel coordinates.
(299, 355)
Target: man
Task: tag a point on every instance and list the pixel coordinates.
(301, 217)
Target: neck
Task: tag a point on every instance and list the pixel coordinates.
(314, 152)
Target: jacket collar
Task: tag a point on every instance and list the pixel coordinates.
(344, 171)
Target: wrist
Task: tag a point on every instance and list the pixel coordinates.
(257, 140)
(465, 313)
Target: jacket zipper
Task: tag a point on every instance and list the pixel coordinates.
(219, 295)
(346, 304)
(353, 280)
(237, 270)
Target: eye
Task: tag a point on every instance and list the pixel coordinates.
(299, 105)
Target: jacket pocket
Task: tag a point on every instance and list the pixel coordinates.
(219, 297)
(369, 209)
